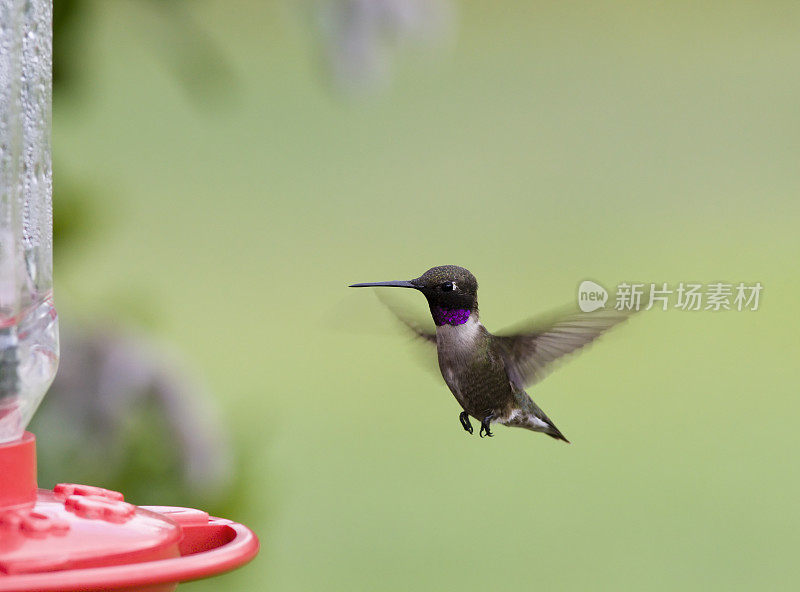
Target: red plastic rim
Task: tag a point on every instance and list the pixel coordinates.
(206, 546)
(240, 547)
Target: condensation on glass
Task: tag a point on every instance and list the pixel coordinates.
(28, 321)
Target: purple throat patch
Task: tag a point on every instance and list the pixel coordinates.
(445, 316)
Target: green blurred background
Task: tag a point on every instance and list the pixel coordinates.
(225, 202)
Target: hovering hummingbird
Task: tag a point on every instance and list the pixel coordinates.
(488, 373)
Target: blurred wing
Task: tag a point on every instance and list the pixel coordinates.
(530, 351)
(424, 331)
(419, 327)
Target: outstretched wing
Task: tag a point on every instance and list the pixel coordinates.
(424, 331)
(530, 351)
(421, 329)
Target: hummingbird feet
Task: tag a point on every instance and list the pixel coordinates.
(465, 423)
(485, 426)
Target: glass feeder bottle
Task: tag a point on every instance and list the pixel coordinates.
(28, 320)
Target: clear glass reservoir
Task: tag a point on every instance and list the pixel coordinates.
(28, 320)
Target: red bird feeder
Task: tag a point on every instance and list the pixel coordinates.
(75, 537)
(78, 537)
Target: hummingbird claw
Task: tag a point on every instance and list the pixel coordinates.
(465, 423)
(485, 426)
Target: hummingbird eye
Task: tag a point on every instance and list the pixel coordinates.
(448, 287)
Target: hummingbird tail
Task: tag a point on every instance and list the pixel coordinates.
(538, 421)
(556, 434)
(531, 417)
(543, 426)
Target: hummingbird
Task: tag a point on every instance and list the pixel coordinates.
(488, 373)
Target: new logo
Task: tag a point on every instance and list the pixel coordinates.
(591, 296)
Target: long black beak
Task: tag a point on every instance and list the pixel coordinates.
(398, 284)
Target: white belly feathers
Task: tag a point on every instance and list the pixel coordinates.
(458, 337)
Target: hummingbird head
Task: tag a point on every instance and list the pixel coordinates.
(451, 291)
